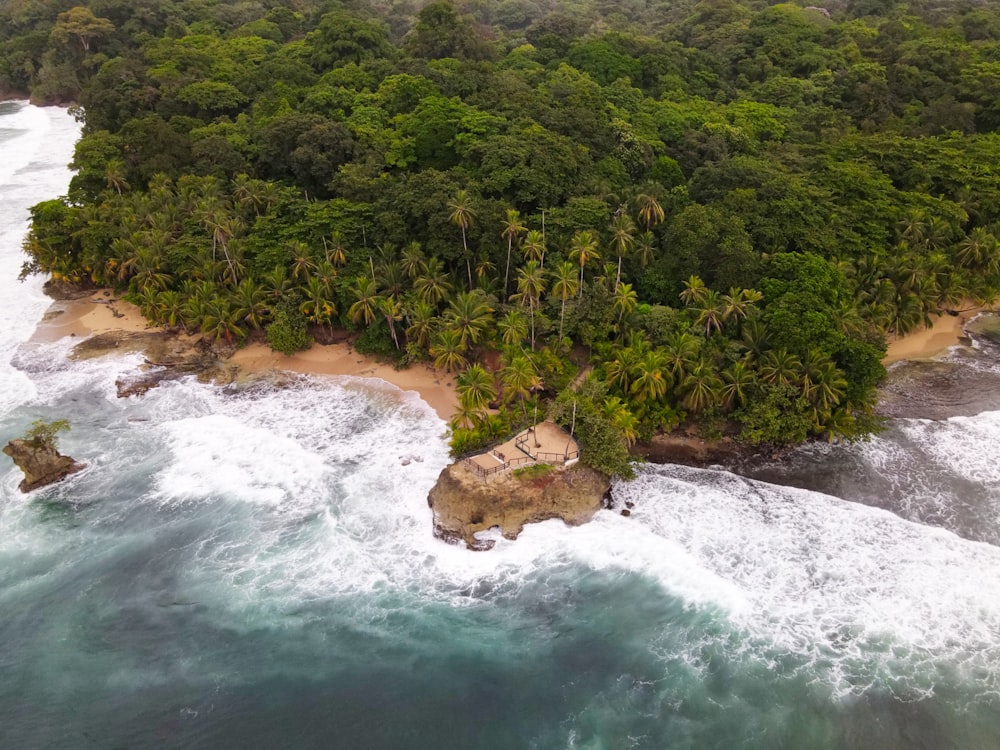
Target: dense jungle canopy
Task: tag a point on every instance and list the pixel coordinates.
(721, 207)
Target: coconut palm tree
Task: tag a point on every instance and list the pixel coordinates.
(780, 367)
(366, 302)
(622, 239)
(680, 353)
(650, 211)
(710, 312)
(448, 350)
(512, 229)
(583, 248)
(392, 309)
(413, 260)
(530, 285)
(461, 216)
(513, 327)
(519, 379)
(533, 247)
(564, 286)
(277, 284)
(651, 379)
(625, 301)
(695, 292)
(421, 323)
(251, 303)
(475, 388)
(220, 320)
(470, 315)
(645, 249)
(303, 263)
(432, 285)
(622, 418)
(317, 305)
(737, 379)
(702, 387)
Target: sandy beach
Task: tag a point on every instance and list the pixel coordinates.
(101, 312)
(925, 343)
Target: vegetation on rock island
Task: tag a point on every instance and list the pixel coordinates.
(645, 215)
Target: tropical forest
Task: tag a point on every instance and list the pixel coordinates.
(630, 216)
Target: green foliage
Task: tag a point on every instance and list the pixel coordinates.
(42, 433)
(240, 158)
(288, 331)
(602, 445)
(535, 471)
(489, 431)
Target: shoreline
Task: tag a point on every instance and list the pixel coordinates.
(100, 312)
(947, 330)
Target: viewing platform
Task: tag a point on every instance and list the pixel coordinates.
(545, 443)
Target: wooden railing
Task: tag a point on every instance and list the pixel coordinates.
(546, 456)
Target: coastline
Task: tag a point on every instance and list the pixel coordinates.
(101, 312)
(946, 331)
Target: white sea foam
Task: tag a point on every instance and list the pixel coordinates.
(857, 592)
(36, 145)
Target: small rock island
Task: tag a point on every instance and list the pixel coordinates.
(35, 454)
(516, 483)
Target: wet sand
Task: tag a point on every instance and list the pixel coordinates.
(925, 343)
(101, 312)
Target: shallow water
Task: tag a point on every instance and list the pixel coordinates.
(254, 567)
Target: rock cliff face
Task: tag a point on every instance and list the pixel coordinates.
(41, 463)
(464, 504)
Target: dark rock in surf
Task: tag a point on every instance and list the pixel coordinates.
(41, 463)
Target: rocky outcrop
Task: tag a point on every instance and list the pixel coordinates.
(464, 504)
(41, 463)
(675, 448)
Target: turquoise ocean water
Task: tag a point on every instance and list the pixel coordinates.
(254, 568)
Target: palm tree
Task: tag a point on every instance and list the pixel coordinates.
(651, 381)
(461, 216)
(171, 308)
(432, 286)
(622, 239)
(625, 301)
(470, 315)
(512, 229)
(317, 305)
(334, 250)
(448, 350)
(277, 284)
(303, 263)
(703, 387)
(564, 286)
(780, 367)
(680, 353)
(645, 249)
(530, 285)
(583, 247)
(367, 301)
(710, 312)
(622, 418)
(392, 309)
(695, 292)
(621, 370)
(114, 176)
(533, 247)
(738, 377)
(421, 319)
(513, 327)
(475, 388)
(251, 303)
(519, 380)
(413, 260)
(650, 211)
(220, 320)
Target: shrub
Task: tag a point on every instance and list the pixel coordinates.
(288, 331)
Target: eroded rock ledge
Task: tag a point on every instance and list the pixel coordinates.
(464, 504)
(41, 463)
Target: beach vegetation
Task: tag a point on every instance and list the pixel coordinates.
(719, 216)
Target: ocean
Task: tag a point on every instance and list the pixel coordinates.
(253, 567)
